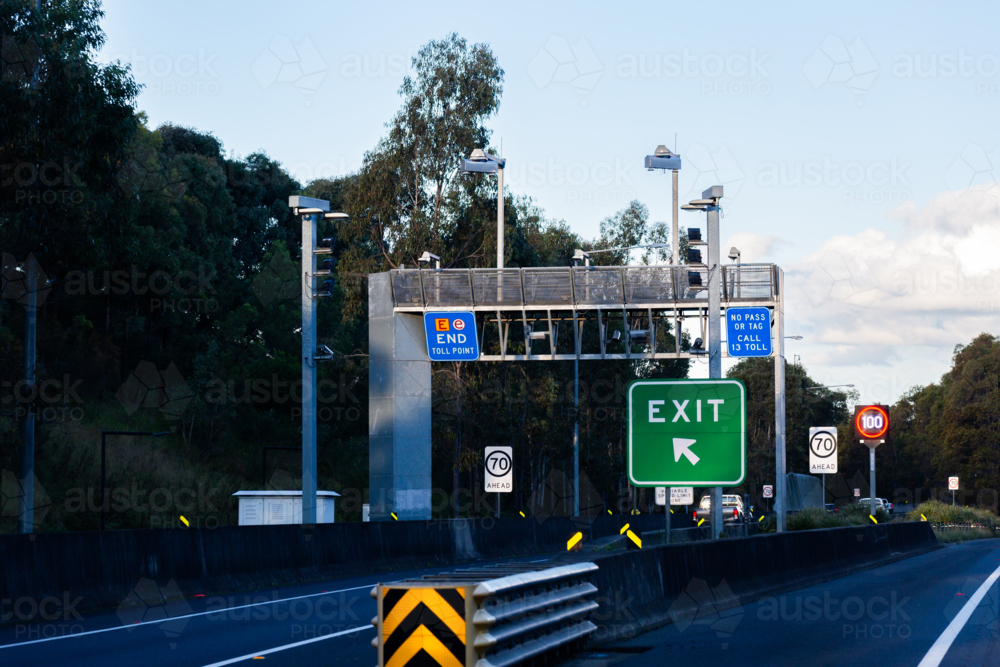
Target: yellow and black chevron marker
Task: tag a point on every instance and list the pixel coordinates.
(423, 626)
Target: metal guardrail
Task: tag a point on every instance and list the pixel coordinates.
(577, 287)
(966, 526)
(487, 617)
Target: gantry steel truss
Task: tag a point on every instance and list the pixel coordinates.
(628, 305)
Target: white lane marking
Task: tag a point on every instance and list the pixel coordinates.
(251, 656)
(943, 643)
(539, 561)
(174, 618)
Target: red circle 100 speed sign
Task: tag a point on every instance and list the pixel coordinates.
(871, 422)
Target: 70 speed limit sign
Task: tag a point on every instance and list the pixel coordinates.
(499, 466)
(823, 449)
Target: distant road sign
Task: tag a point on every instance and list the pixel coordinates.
(682, 495)
(823, 449)
(953, 483)
(857, 493)
(687, 432)
(499, 469)
(768, 491)
(451, 336)
(748, 332)
(871, 423)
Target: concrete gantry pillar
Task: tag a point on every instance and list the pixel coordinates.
(399, 409)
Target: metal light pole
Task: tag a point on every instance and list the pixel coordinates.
(28, 425)
(104, 447)
(664, 158)
(481, 162)
(310, 209)
(714, 323)
(709, 203)
(780, 488)
(584, 256)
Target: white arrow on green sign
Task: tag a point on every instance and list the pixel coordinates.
(687, 432)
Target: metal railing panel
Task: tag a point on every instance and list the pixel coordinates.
(406, 287)
(749, 282)
(497, 287)
(443, 289)
(648, 284)
(598, 285)
(548, 287)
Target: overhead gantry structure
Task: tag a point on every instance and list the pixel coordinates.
(629, 308)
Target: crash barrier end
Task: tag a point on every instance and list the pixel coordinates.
(485, 617)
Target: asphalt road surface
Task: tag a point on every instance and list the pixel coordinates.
(941, 608)
(327, 623)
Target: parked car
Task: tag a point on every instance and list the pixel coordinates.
(733, 510)
(886, 504)
(879, 503)
(830, 507)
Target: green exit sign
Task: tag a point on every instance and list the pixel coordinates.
(687, 432)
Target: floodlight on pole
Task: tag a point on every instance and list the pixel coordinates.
(481, 162)
(734, 254)
(665, 159)
(429, 257)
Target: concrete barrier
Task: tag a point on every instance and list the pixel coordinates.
(642, 590)
(102, 568)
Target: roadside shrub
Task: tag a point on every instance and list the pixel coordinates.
(938, 512)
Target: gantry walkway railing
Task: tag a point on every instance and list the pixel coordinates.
(629, 305)
(580, 288)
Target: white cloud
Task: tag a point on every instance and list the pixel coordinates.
(902, 302)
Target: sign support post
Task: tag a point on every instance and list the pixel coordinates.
(872, 424)
(871, 483)
(778, 329)
(714, 324)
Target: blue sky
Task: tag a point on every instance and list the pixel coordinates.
(847, 135)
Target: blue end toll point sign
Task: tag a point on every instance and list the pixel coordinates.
(451, 336)
(748, 332)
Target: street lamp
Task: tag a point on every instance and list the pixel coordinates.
(311, 209)
(828, 386)
(709, 203)
(663, 158)
(794, 337)
(104, 446)
(481, 162)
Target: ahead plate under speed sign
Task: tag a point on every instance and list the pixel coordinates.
(823, 449)
(499, 469)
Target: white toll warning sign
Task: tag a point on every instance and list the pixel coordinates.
(823, 449)
(499, 469)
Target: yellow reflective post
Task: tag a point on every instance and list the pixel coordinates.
(573, 541)
(624, 528)
(635, 538)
